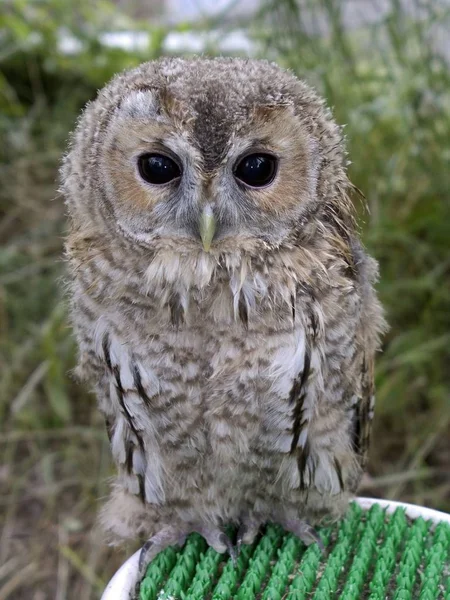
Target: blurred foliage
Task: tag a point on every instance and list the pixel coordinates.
(388, 82)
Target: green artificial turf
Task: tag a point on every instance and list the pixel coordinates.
(369, 555)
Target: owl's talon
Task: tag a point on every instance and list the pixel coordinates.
(305, 532)
(169, 536)
(310, 536)
(143, 562)
(243, 528)
(218, 539)
(231, 548)
(247, 532)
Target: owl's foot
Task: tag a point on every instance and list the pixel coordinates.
(247, 532)
(218, 539)
(172, 536)
(168, 536)
(304, 531)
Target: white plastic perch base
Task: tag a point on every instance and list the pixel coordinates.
(123, 583)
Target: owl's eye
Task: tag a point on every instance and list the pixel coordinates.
(157, 168)
(256, 170)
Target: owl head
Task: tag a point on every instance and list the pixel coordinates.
(206, 155)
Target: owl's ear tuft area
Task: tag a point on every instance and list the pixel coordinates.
(140, 104)
(174, 108)
(272, 113)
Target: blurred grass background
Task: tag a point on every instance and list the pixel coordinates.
(387, 81)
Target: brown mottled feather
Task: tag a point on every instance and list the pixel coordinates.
(364, 412)
(236, 383)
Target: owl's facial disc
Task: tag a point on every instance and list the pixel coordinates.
(176, 175)
(253, 170)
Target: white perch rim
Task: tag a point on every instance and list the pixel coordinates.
(124, 581)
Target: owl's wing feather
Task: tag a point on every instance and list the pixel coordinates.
(126, 412)
(313, 463)
(296, 399)
(297, 396)
(363, 408)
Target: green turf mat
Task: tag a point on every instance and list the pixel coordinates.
(369, 556)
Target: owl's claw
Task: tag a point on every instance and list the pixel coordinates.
(218, 539)
(247, 532)
(242, 531)
(168, 536)
(304, 531)
(231, 548)
(171, 536)
(143, 556)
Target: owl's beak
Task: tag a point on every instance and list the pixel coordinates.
(207, 226)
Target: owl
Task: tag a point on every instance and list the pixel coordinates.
(222, 301)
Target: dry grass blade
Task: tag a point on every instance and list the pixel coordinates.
(23, 576)
(25, 393)
(85, 570)
(9, 566)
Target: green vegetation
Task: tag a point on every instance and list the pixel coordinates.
(388, 84)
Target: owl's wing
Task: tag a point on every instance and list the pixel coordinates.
(125, 392)
(363, 408)
(353, 404)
